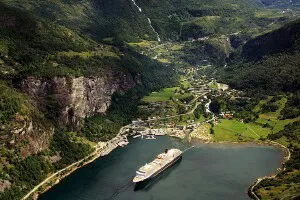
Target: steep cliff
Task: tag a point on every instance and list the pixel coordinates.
(55, 79)
(77, 97)
(23, 128)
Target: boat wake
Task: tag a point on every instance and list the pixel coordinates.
(188, 149)
(121, 189)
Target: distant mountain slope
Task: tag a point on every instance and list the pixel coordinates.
(268, 63)
(285, 39)
(33, 46)
(172, 17)
(281, 3)
(102, 19)
(97, 18)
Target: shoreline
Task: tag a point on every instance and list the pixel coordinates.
(285, 150)
(286, 157)
(58, 176)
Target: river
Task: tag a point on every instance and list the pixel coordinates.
(209, 171)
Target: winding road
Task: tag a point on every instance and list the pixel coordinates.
(174, 116)
(95, 154)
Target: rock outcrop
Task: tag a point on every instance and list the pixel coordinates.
(77, 97)
(36, 135)
(30, 134)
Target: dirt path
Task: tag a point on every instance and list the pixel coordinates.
(253, 131)
(174, 116)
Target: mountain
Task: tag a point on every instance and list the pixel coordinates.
(285, 39)
(70, 78)
(268, 63)
(54, 78)
(97, 19)
(196, 18)
(122, 19)
(281, 3)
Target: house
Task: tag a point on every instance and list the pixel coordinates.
(180, 127)
(227, 115)
(171, 125)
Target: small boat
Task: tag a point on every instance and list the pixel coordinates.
(136, 136)
(123, 143)
(150, 137)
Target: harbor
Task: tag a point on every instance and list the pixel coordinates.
(110, 177)
(140, 129)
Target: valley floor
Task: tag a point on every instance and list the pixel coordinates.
(188, 111)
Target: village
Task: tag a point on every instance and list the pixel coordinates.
(173, 112)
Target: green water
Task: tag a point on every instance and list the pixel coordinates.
(205, 172)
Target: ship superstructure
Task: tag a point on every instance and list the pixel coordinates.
(159, 164)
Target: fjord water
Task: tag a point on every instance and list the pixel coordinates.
(210, 172)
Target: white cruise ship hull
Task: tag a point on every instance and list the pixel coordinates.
(164, 168)
(161, 170)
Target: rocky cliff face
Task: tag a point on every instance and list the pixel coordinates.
(26, 130)
(77, 97)
(28, 135)
(35, 135)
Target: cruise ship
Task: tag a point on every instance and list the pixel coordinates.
(161, 162)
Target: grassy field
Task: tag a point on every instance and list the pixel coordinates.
(257, 108)
(176, 47)
(163, 95)
(164, 60)
(76, 138)
(275, 13)
(88, 54)
(144, 43)
(184, 82)
(273, 118)
(270, 14)
(233, 130)
(214, 85)
(208, 23)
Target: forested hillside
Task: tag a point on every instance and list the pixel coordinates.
(268, 63)
(71, 77)
(281, 3)
(285, 39)
(195, 19)
(172, 19)
(98, 19)
(43, 63)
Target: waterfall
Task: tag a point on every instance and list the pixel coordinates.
(149, 21)
(136, 5)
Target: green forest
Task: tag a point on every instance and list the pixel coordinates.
(252, 46)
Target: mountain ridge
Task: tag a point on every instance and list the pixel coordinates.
(269, 63)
